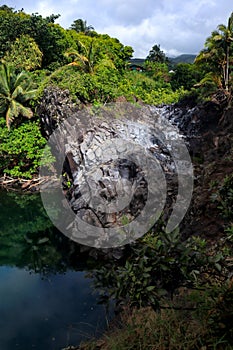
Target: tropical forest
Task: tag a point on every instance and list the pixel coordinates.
(85, 126)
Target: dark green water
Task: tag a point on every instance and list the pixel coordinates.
(46, 299)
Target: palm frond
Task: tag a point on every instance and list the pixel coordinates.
(14, 91)
(24, 111)
(17, 92)
(21, 78)
(222, 27)
(8, 119)
(11, 113)
(71, 52)
(3, 106)
(28, 95)
(5, 85)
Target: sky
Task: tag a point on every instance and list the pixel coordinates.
(178, 26)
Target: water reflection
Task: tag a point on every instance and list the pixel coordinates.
(46, 301)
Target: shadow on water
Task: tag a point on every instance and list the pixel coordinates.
(46, 299)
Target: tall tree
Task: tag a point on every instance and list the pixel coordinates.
(89, 59)
(90, 51)
(6, 8)
(218, 52)
(79, 25)
(50, 37)
(15, 91)
(156, 55)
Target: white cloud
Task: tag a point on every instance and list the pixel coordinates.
(179, 26)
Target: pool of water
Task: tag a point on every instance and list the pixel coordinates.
(45, 302)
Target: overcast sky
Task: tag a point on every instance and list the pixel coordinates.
(179, 26)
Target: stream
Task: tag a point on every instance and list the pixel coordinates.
(46, 302)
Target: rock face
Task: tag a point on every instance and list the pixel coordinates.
(55, 107)
(121, 161)
(129, 153)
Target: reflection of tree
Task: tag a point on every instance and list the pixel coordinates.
(22, 214)
(26, 234)
(29, 240)
(41, 255)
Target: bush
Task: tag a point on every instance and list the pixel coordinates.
(21, 149)
(225, 195)
(156, 266)
(106, 84)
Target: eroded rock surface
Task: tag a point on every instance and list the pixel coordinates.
(102, 170)
(121, 161)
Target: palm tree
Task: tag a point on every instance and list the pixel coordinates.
(156, 55)
(217, 52)
(227, 38)
(89, 61)
(84, 61)
(15, 90)
(79, 25)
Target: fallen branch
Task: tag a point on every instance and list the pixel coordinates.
(20, 184)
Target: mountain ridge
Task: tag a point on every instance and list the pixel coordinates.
(184, 58)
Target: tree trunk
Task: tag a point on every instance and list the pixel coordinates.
(227, 68)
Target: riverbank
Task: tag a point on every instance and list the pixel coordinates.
(185, 325)
(199, 317)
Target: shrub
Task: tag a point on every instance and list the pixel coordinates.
(20, 149)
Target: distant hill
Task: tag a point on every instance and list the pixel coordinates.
(137, 61)
(185, 58)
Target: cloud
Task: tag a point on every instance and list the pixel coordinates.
(179, 26)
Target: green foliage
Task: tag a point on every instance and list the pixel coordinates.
(156, 55)
(50, 37)
(158, 71)
(155, 268)
(209, 84)
(15, 91)
(107, 84)
(12, 26)
(89, 60)
(178, 278)
(141, 87)
(107, 81)
(21, 149)
(216, 57)
(80, 85)
(164, 96)
(198, 320)
(79, 25)
(24, 54)
(105, 58)
(100, 47)
(220, 316)
(185, 75)
(225, 198)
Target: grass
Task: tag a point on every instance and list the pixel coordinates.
(195, 321)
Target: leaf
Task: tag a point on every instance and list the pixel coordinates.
(43, 240)
(28, 240)
(150, 288)
(218, 267)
